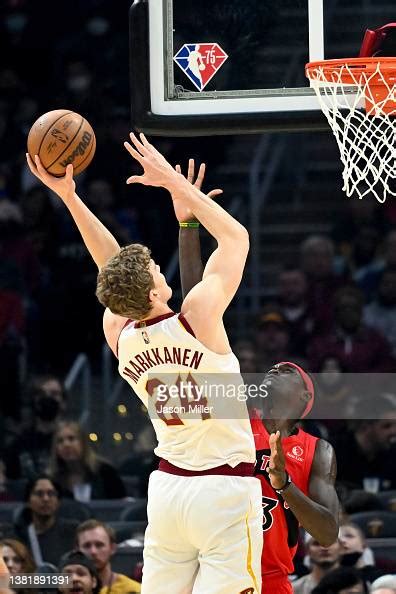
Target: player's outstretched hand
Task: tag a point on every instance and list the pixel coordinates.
(181, 211)
(276, 466)
(63, 186)
(157, 171)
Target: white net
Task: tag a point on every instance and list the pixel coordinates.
(360, 107)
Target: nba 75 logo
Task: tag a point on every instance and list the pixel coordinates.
(200, 62)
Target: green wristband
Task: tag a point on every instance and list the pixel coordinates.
(189, 225)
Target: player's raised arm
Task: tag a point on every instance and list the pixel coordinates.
(318, 512)
(223, 271)
(99, 241)
(190, 257)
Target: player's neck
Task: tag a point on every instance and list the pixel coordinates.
(159, 309)
(285, 426)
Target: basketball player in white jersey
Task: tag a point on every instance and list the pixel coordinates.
(204, 507)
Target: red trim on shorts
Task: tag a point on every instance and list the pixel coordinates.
(242, 469)
(151, 321)
(186, 325)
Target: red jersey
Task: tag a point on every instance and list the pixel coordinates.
(280, 525)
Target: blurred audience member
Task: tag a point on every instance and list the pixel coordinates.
(272, 338)
(370, 281)
(97, 540)
(321, 560)
(20, 268)
(295, 306)
(361, 501)
(13, 291)
(142, 461)
(386, 584)
(82, 573)
(100, 198)
(380, 314)
(247, 356)
(343, 580)
(358, 347)
(366, 451)
(362, 258)
(29, 453)
(6, 489)
(358, 214)
(355, 553)
(334, 399)
(39, 525)
(40, 224)
(76, 467)
(317, 256)
(18, 559)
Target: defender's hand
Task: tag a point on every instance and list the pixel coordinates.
(63, 186)
(276, 467)
(181, 211)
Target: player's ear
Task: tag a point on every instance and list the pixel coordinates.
(153, 295)
(305, 396)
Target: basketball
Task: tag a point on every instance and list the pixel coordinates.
(61, 137)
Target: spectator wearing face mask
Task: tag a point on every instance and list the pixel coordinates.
(355, 553)
(29, 453)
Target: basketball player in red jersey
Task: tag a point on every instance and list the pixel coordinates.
(297, 471)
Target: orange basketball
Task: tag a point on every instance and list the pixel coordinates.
(61, 137)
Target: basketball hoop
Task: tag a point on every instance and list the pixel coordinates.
(358, 98)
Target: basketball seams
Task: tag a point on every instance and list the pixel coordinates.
(76, 170)
(48, 129)
(71, 141)
(86, 157)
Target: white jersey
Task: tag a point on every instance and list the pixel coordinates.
(161, 360)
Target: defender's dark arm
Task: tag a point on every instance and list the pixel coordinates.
(190, 258)
(318, 513)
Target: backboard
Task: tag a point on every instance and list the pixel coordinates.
(204, 67)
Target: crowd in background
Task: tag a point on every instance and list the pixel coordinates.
(333, 310)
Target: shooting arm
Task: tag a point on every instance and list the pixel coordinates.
(100, 243)
(318, 513)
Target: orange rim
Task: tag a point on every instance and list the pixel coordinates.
(356, 66)
(375, 76)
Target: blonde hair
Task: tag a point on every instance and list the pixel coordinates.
(90, 461)
(125, 282)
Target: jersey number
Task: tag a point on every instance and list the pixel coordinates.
(268, 505)
(189, 398)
